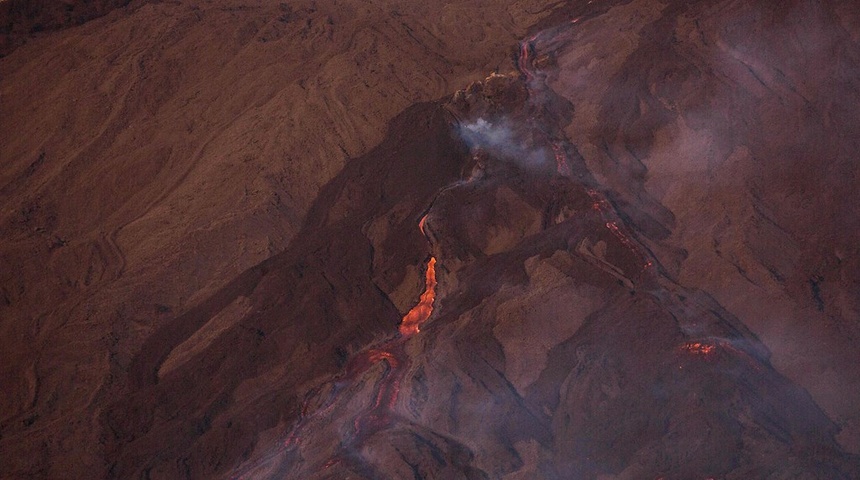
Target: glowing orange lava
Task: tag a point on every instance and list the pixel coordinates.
(377, 355)
(698, 348)
(411, 323)
(421, 225)
(626, 241)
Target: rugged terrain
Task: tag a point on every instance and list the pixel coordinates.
(643, 228)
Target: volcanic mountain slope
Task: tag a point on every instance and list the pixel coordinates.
(19, 19)
(565, 343)
(725, 131)
(253, 348)
(627, 287)
(152, 155)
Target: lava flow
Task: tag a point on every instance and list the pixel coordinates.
(698, 348)
(411, 323)
(386, 389)
(539, 89)
(380, 412)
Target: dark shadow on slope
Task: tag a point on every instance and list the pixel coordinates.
(299, 313)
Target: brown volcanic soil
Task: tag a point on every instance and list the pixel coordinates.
(20, 19)
(193, 270)
(152, 155)
(736, 138)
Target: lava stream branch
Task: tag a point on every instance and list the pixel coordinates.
(538, 88)
(386, 389)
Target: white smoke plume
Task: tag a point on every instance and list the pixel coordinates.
(499, 139)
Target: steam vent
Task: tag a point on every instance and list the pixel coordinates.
(402, 239)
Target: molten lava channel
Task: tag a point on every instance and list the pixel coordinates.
(699, 348)
(411, 323)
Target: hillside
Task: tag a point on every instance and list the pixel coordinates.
(641, 216)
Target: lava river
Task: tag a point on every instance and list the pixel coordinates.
(394, 361)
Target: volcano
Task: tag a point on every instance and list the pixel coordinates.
(517, 240)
